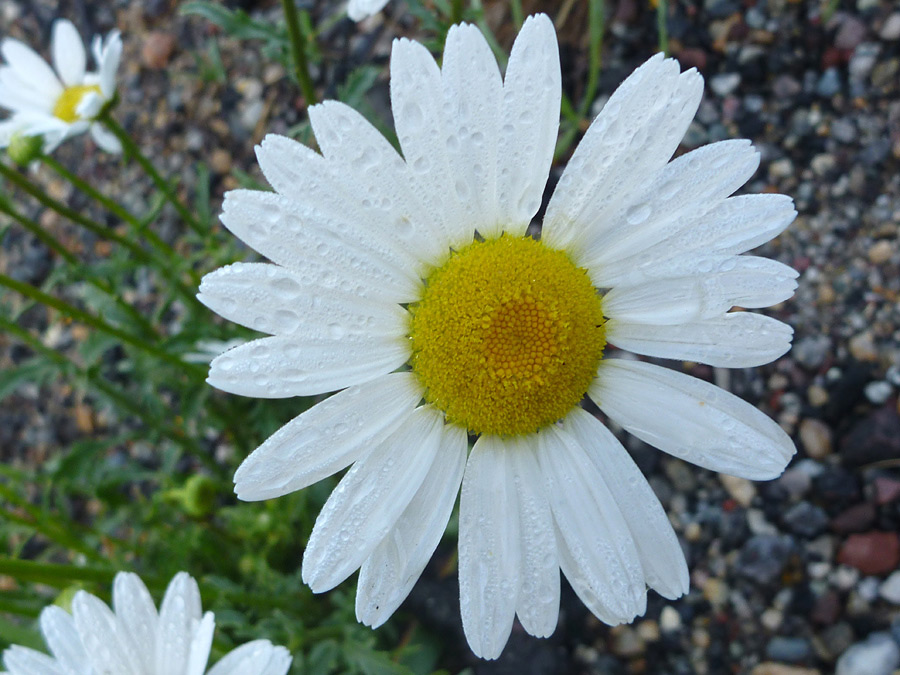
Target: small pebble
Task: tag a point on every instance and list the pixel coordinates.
(890, 29)
(877, 655)
(769, 668)
(789, 649)
(880, 252)
(724, 83)
(816, 438)
(878, 392)
(890, 589)
(740, 489)
(862, 347)
(669, 619)
(872, 553)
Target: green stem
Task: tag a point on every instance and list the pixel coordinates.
(662, 25)
(298, 51)
(25, 185)
(101, 284)
(77, 314)
(54, 574)
(456, 11)
(132, 149)
(596, 27)
(518, 16)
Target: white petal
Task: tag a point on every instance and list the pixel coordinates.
(201, 641)
(109, 59)
(472, 89)
(106, 139)
(369, 499)
(692, 184)
(529, 123)
(734, 340)
(30, 67)
(538, 604)
(136, 615)
(736, 225)
(259, 657)
(630, 140)
(308, 243)
(489, 561)
(18, 94)
(665, 569)
(327, 438)
(691, 419)
(596, 550)
(362, 9)
(100, 636)
(61, 636)
(69, 57)
(179, 619)
(744, 281)
(388, 575)
(305, 365)
(24, 661)
(275, 300)
(325, 192)
(417, 103)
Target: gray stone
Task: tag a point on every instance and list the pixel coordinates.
(789, 649)
(764, 556)
(877, 655)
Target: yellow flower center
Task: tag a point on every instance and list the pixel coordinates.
(507, 336)
(67, 103)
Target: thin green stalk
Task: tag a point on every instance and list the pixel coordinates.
(101, 284)
(456, 11)
(596, 27)
(662, 25)
(54, 574)
(132, 149)
(25, 185)
(298, 51)
(98, 323)
(140, 228)
(518, 16)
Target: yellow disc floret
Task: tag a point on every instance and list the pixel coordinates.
(507, 336)
(66, 106)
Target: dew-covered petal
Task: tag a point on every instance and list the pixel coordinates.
(370, 498)
(69, 57)
(312, 245)
(20, 660)
(379, 178)
(259, 657)
(179, 619)
(275, 300)
(136, 614)
(631, 139)
(327, 438)
(100, 636)
(306, 364)
(596, 550)
(30, 67)
(63, 640)
(538, 603)
(690, 185)
(201, 642)
(691, 419)
(337, 195)
(735, 340)
(417, 103)
(743, 281)
(662, 560)
(529, 123)
(472, 88)
(489, 548)
(388, 575)
(736, 225)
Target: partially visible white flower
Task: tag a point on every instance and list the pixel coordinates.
(59, 105)
(363, 9)
(134, 639)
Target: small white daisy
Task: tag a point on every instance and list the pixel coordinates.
(363, 9)
(134, 639)
(59, 105)
(381, 287)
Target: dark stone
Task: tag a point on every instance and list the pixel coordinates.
(805, 520)
(872, 553)
(789, 649)
(875, 438)
(764, 557)
(858, 518)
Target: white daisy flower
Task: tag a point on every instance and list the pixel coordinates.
(134, 639)
(59, 105)
(380, 287)
(363, 9)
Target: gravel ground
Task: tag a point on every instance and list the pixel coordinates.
(792, 577)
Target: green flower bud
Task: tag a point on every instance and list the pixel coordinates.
(24, 149)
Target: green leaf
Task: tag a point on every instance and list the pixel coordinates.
(35, 371)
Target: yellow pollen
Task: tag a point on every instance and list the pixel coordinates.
(68, 101)
(507, 336)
